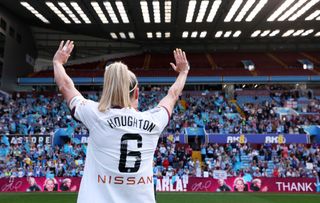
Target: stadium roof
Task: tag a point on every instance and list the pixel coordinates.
(165, 24)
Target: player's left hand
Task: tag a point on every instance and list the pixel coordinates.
(182, 64)
(63, 53)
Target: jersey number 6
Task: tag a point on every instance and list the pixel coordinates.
(124, 153)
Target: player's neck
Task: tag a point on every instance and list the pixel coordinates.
(134, 103)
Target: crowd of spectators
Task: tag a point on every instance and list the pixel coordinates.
(171, 158)
(294, 160)
(35, 115)
(262, 118)
(25, 158)
(30, 115)
(42, 115)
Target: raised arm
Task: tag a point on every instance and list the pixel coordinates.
(182, 67)
(64, 82)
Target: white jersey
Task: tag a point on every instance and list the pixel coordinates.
(121, 144)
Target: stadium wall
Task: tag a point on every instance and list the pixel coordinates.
(19, 50)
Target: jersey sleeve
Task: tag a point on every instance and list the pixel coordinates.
(81, 110)
(161, 116)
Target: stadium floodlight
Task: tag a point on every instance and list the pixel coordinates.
(313, 15)
(58, 12)
(306, 64)
(274, 33)
(156, 11)
(122, 35)
(317, 34)
(203, 34)
(78, 9)
(233, 10)
(227, 34)
(248, 65)
(34, 12)
(145, 11)
(185, 34)
(265, 33)
(111, 12)
(149, 35)
(297, 33)
(158, 34)
(307, 32)
(288, 33)
(292, 10)
(95, 5)
(167, 34)
(202, 11)
(244, 10)
(113, 35)
(167, 11)
(215, 6)
(256, 33)
(218, 34)
(304, 9)
(69, 12)
(190, 12)
(194, 34)
(122, 12)
(131, 35)
(278, 12)
(236, 33)
(256, 10)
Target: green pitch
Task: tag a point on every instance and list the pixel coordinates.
(172, 198)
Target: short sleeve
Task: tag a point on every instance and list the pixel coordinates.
(81, 110)
(161, 116)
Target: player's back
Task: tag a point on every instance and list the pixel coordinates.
(120, 153)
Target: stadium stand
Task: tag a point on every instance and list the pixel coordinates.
(216, 64)
(28, 115)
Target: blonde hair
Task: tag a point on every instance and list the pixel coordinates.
(118, 81)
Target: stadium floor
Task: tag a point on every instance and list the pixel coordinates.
(172, 198)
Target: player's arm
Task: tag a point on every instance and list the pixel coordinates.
(182, 67)
(64, 82)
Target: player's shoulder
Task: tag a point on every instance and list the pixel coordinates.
(88, 103)
(158, 112)
(154, 110)
(80, 101)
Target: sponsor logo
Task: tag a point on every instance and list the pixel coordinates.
(241, 139)
(280, 139)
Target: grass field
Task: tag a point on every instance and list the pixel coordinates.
(172, 198)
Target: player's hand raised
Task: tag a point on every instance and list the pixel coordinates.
(182, 64)
(63, 53)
